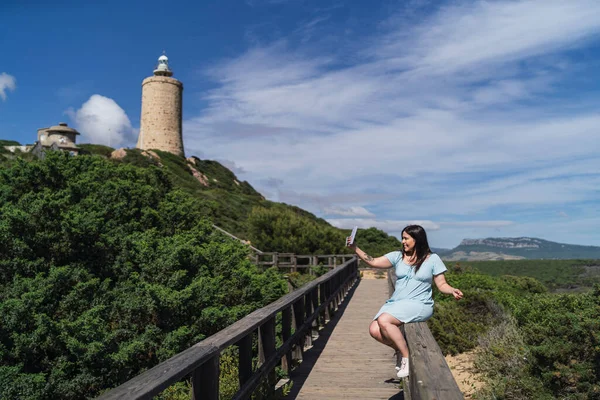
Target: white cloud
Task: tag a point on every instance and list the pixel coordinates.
(486, 224)
(385, 225)
(465, 35)
(397, 226)
(355, 211)
(7, 83)
(457, 113)
(100, 120)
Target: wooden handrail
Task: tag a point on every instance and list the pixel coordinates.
(291, 260)
(302, 310)
(247, 243)
(429, 375)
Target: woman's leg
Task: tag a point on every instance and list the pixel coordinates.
(390, 330)
(375, 332)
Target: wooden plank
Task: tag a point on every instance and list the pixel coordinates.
(430, 377)
(205, 380)
(350, 364)
(298, 308)
(286, 332)
(322, 296)
(155, 380)
(245, 359)
(318, 320)
(308, 312)
(266, 351)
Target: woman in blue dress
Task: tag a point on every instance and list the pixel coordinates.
(416, 267)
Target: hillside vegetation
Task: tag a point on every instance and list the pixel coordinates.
(108, 267)
(105, 270)
(237, 207)
(556, 275)
(531, 344)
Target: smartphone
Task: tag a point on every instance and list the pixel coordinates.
(352, 235)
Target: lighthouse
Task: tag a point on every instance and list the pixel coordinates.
(160, 122)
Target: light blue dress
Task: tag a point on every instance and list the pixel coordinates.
(412, 299)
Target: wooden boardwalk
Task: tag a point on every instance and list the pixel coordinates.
(345, 362)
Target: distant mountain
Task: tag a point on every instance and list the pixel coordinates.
(518, 248)
(439, 251)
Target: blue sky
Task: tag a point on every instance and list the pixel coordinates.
(473, 118)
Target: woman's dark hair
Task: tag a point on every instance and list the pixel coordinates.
(421, 245)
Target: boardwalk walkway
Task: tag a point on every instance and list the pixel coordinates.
(345, 362)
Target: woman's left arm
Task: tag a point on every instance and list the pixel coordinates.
(444, 287)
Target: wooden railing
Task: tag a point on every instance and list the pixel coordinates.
(298, 262)
(302, 312)
(429, 375)
(247, 243)
(290, 260)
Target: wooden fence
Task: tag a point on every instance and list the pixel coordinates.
(429, 375)
(290, 260)
(302, 312)
(297, 262)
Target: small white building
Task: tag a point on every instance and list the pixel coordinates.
(57, 137)
(61, 136)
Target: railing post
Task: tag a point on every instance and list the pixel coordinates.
(245, 359)
(286, 332)
(314, 298)
(298, 322)
(330, 290)
(266, 349)
(340, 291)
(205, 380)
(308, 311)
(323, 298)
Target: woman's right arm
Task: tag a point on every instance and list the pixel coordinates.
(379, 262)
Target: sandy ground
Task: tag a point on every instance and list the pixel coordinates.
(461, 366)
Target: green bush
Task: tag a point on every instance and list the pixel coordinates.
(531, 344)
(282, 230)
(97, 149)
(505, 360)
(106, 269)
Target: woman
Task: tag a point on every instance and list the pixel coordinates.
(416, 266)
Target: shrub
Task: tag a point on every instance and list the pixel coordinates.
(106, 269)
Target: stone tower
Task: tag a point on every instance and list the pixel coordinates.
(160, 123)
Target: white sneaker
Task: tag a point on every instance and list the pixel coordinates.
(403, 369)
